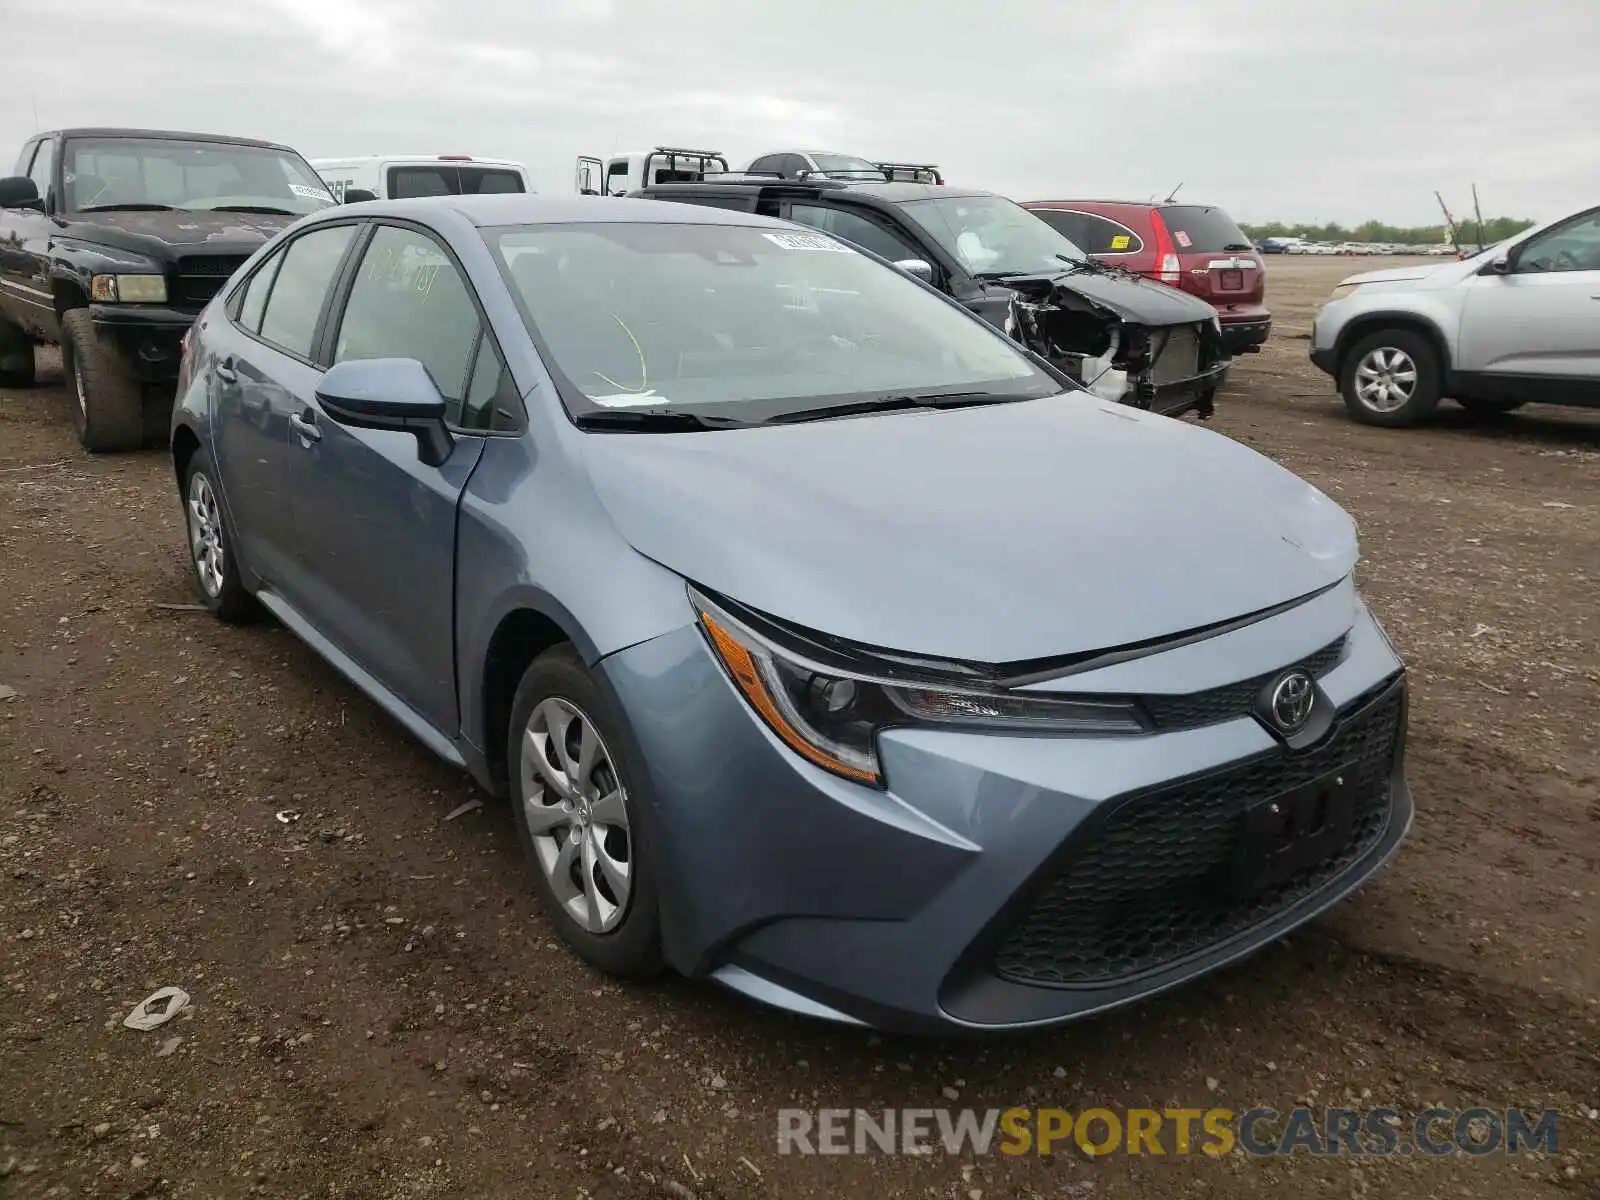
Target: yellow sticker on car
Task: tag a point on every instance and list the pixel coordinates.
(1120, 242)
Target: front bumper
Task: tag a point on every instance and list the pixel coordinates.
(912, 908)
(1174, 399)
(1323, 360)
(149, 337)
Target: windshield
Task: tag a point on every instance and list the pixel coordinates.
(750, 322)
(848, 166)
(993, 236)
(169, 173)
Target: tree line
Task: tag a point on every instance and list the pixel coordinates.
(1495, 229)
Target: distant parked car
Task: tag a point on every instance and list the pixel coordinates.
(826, 643)
(1195, 247)
(1517, 323)
(399, 177)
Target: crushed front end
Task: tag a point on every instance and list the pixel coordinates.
(1166, 368)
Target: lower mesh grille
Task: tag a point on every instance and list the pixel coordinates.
(1179, 358)
(1144, 887)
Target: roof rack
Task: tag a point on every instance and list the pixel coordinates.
(911, 172)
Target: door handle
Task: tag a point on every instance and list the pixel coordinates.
(225, 371)
(305, 424)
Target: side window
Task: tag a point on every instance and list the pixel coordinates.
(790, 166)
(24, 158)
(1104, 236)
(857, 230)
(408, 182)
(1069, 225)
(42, 170)
(301, 287)
(1574, 246)
(253, 302)
(617, 178)
(409, 301)
(767, 164)
(488, 391)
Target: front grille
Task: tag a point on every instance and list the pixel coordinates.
(1231, 699)
(1144, 887)
(200, 277)
(1179, 357)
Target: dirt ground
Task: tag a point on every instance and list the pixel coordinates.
(380, 1011)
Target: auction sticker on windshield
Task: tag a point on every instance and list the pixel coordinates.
(806, 241)
(310, 193)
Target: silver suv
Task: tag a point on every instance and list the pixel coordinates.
(1517, 323)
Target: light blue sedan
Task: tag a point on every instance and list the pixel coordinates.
(827, 643)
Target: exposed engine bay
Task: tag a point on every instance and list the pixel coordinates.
(1166, 368)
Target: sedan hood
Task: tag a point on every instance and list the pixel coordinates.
(1140, 301)
(993, 535)
(163, 236)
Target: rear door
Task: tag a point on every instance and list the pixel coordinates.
(24, 248)
(1216, 261)
(263, 364)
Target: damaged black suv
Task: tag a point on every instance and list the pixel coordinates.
(1126, 339)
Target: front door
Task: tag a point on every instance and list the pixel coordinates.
(1540, 321)
(375, 526)
(24, 252)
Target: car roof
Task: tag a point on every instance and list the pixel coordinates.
(530, 208)
(888, 193)
(173, 135)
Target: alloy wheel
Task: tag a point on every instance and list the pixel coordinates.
(1386, 379)
(205, 535)
(577, 815)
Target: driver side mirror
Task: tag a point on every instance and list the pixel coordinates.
(18, 191)
(1500, 264)
(358, 196)
(921, 268)
(393, 394)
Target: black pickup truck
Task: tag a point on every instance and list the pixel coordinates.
(113, 240)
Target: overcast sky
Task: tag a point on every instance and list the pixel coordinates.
(1308, 111)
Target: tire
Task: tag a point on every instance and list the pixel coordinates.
(1488, 408)
(16, 356)
(1406, 366)
(619, 933)
(107, 409)
(211, 541)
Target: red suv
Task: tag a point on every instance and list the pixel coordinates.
(1191, 246)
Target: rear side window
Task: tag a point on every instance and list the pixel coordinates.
(254, 301)
(301, 288)
(864, 233)
(450, 179)
(1202, 230)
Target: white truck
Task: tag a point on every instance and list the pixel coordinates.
(400, 176)
(622, 173)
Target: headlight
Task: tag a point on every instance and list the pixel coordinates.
(128, 289)
(831, 716)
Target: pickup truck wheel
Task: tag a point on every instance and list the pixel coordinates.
(1488, 408)
(1391, 378)
(577, 785)
(211, 545)
(107, 408)
(16, 356)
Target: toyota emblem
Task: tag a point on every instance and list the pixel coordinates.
(1291, 701)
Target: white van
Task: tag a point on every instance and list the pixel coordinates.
(400, 176)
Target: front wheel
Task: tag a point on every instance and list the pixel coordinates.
(576, 785)
(1391, 378)
(107, 408)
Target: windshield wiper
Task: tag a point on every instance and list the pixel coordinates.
(255, 208)
(895, 404)
(1238, 246)
(654, 420)
(131, 206)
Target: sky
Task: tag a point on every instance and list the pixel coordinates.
(1303, 112)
